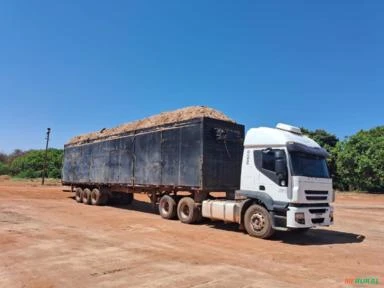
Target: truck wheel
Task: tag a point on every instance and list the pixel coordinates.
(186, 210)
(86, 196)
(78, 193)
(167, 207)
(97, 197)
(258, 222)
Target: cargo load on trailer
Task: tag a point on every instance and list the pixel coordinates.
(161, 119)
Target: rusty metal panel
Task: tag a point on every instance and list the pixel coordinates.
(201, 153)
(147, 167)
(223, 152)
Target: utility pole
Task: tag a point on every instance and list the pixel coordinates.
(46, 156)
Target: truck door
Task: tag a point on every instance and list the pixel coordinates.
(273, 176)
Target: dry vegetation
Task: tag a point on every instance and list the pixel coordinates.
(164, 118)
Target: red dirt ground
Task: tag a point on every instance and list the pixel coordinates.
(49, 240)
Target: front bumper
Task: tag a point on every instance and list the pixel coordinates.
(310, 216)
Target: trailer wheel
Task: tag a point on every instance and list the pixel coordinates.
(186, 210)
(78, 196)
(167, 207)
(258, 222)
(97, 197)
(86, 196)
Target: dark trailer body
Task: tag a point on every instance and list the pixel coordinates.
(197, 155)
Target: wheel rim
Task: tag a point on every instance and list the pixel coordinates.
(257, 222)
(93, 196)
(185, 211)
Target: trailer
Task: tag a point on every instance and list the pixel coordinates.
(197, 156)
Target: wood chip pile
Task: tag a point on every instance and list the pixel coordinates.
(183, 114)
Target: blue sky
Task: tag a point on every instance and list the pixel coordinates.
(79, 66)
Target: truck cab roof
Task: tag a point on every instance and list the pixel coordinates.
(269, 137)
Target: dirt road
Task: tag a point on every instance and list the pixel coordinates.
(48, 240)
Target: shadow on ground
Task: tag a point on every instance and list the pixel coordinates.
(312, 237)
(318, 236)
(139, 206)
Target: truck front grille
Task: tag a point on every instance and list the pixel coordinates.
(316, 195)
(317, 211)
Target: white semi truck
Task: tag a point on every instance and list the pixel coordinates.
(285, 184)
(274, 178)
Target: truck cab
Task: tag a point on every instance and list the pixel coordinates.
(285, 183)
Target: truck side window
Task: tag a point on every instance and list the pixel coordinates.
(268, 160)
(265, 161)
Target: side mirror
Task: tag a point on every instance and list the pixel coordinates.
(281, 166)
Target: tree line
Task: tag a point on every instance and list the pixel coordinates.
(355, 163)
(30, 164)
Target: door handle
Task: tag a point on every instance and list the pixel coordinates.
(262, 187)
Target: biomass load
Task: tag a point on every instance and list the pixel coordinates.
(161, 119)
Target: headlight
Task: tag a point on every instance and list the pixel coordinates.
(300, 217)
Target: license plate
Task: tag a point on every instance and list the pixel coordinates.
(318, 214)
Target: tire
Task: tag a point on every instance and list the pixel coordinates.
(167, 207)
(258, 222)
(186, 210)
(86, 196)
(78, 196)
(97, 197)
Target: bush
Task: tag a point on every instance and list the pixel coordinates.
(4, 169)
(31, 164)
(360, 161)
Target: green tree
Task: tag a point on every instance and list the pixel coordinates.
(15, 154)
(324, 138)
(360, 161)
(4, 169)
(30, 164)
(3, 157)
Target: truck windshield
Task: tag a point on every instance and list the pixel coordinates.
(309, 165)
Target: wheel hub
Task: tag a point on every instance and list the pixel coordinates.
(185, 211)
(257, 222)
(166, 207)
